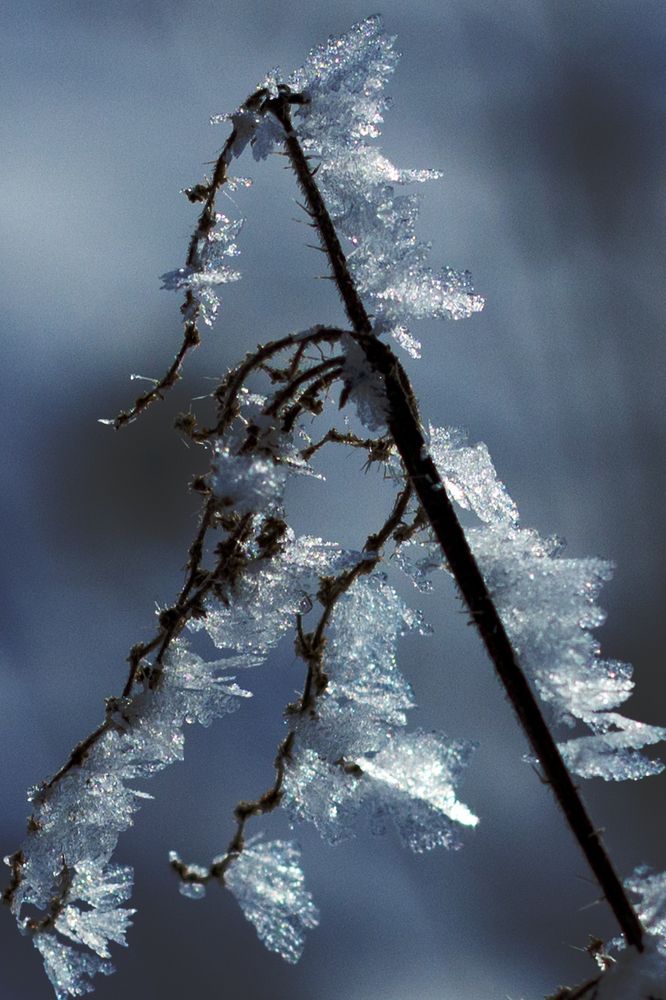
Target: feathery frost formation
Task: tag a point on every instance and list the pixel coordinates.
(548, 604)
(349, 752)
(267, 881)
(77, 819)
(355, 753)
(344, 81)
(210, 267)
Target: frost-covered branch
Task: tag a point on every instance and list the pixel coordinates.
(205, 265)
(250, 580)
(311, 649)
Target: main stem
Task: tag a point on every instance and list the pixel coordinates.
(405, 426)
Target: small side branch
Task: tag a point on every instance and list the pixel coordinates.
(206, 193)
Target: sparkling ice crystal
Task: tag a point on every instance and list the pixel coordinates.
(354, 755)
(210, 269)
(267, 881)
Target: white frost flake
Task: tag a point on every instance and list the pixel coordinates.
(354, 755)
(416, 774)
(344, 81)
(79, 819)
(210, 269)
(248, 482)
(267, 881)
(548, 606)
(69, 970)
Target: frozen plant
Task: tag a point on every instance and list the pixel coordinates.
(348, 754)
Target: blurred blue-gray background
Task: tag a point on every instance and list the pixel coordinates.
(547, 119)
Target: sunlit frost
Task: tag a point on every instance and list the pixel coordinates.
(268, 884)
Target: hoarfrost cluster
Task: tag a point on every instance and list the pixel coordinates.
(210, 267)
(267, 881)
(64, 865)
(344, 81)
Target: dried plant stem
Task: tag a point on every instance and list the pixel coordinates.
(405, 427)
(577, 992)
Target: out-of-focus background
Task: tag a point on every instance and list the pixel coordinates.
(547, 119)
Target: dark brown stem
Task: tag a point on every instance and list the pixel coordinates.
(577, 992)
(405, 427)
(227, 393)
(378, 448)
(317, 209)
(172, 622)
(310, 399)
(298, 380)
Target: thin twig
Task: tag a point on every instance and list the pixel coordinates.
(206, 192)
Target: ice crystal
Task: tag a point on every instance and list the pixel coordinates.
(93, 928)
(472, 483)
(649, 890)
(69, 969)
(344, 81)
(91, 916)
(77, 821)
(469, 476)
(198, 690)
(410, 781)
(248, 483)
(210, 269)
(353, 755)
(414, 778)
(366, 694)
(267, 881)
(613, 752)
(192, 890)
(317, 791)
(365, 387)
(548, 605)
(269, 595)
(100, 889)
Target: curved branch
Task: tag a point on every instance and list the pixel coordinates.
(310, 647)
(207, 193)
